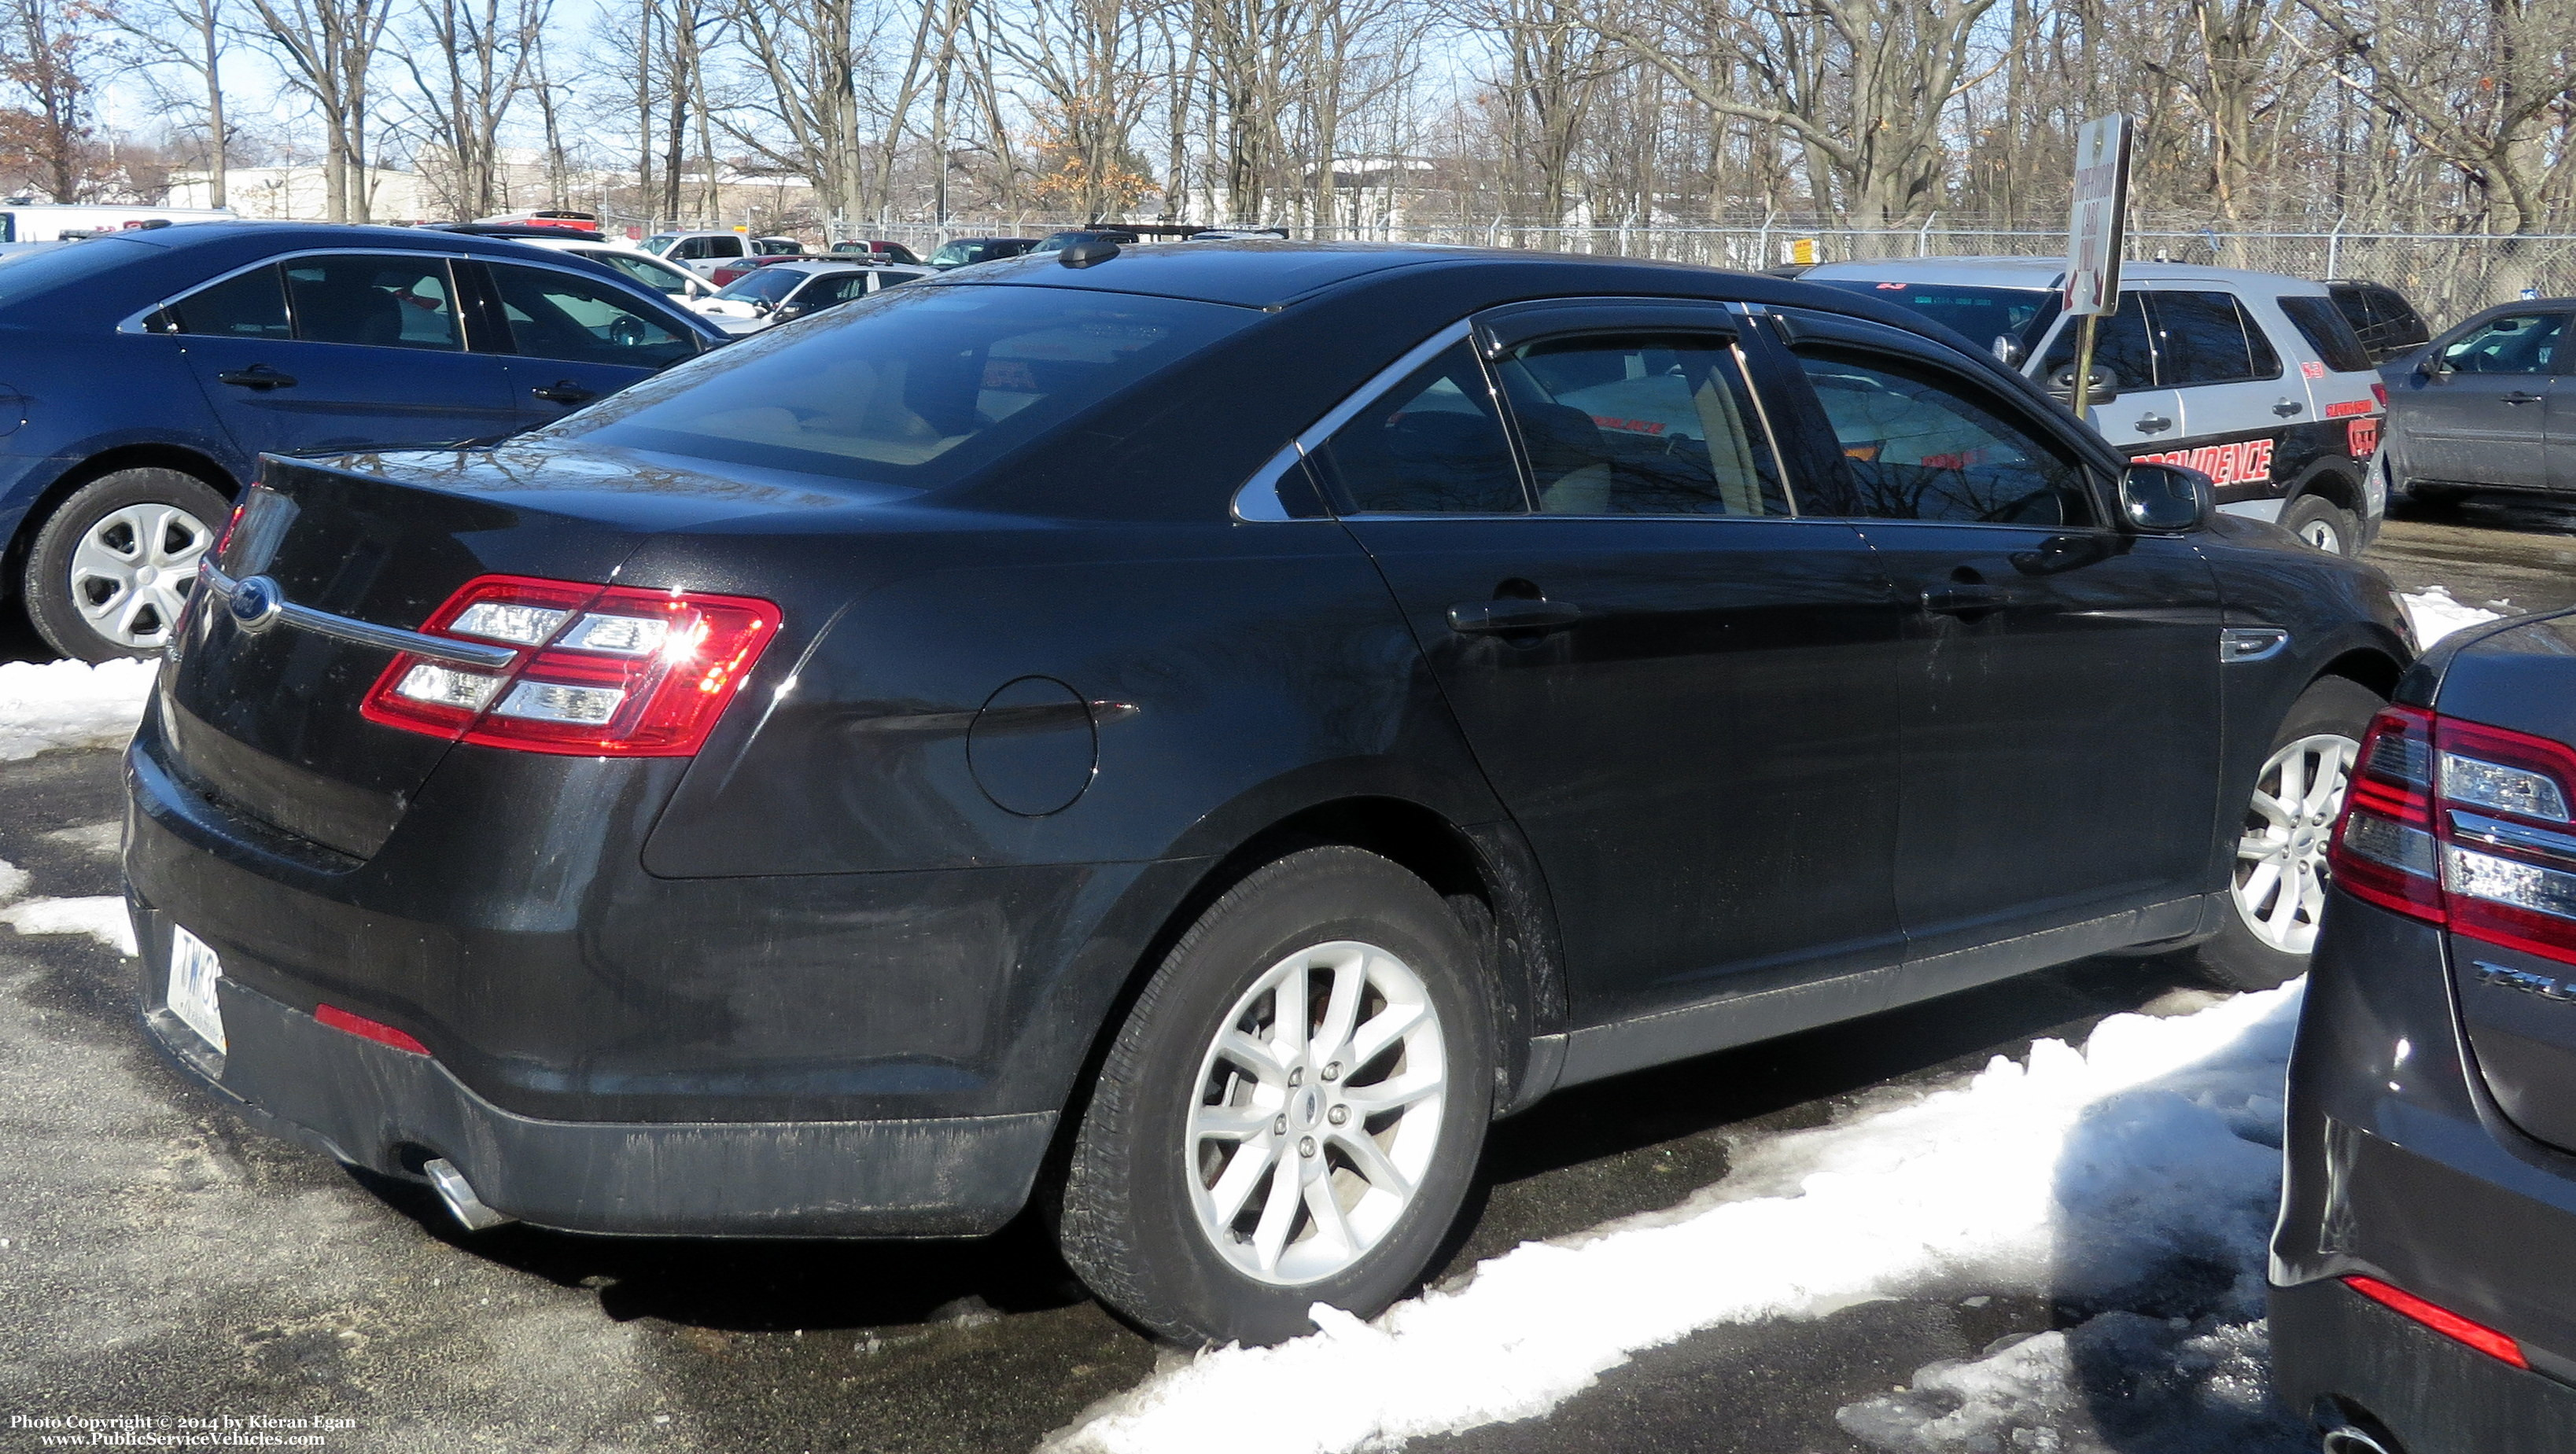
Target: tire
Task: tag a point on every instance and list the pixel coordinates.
(2268, 934)
(1139, 1221)
(86, 584)
(2324, 524)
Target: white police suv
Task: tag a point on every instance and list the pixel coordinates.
(2254, 379)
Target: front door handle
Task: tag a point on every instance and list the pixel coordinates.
(2154, 423)
(564, 391)
(2288, 407)
(257, 376)
(2519, 397)
(1963, 597)
(1513, 614)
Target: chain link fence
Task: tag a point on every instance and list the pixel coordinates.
(2448, 275)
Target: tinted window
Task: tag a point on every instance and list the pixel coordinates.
(249, 306)
(763, 285)
(2123, 358)
(1981, 315)
(1645, 426)
(2518, 343)
(2206, 338)
(1429, 446)
(2395, 319)
(827, 291)
(378, 302)
(2323, 326)
(915, 387)
(1919, 445)
(557, 315)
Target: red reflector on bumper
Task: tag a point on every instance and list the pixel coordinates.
(366, 1029)
(2449, 1324)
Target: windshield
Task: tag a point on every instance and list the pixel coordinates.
(956, 254)
(762, 285)
(911, 386)
(1980, 315)
(660, 242)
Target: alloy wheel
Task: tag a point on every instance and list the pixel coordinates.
(133, 569)
(1317, 1113)
(2281, 869)
(2323, 535)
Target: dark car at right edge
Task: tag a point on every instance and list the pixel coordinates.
(2426, 1254)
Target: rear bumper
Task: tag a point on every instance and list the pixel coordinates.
(2398, 1166)
(2359, 1361)
(389, 1110)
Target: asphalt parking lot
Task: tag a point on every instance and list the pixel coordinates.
(156, 1260)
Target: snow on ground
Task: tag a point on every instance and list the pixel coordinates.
(2138, 1172)
(2436, 615)
(70, 704)
(102, 918)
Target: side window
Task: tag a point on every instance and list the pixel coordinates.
(2323, 326)
(1639, 426)
(725, 246)
(2518, 343)
(657, 276)
(2123, 357)
(1919, 444)
(1429, 446)
(249, 306)
(377, 301)
(556, 315)
(2206, 338)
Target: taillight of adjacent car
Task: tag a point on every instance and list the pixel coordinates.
(599, 671)
(2463, 824)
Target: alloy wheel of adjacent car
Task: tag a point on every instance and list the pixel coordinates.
(2278, 889)
(114, 564)
(1292, 1110)
(2281, 859)
(2321, 523)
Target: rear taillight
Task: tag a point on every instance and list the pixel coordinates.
(2463, 824)
(599, 672)
(2440, 1319)
(2379, 391)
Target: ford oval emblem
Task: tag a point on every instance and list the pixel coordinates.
(256, 603)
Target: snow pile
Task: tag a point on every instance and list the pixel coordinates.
(2089, 1176)
(70, 704)
(2123, 1383)
(102, 918)
(2436, 615)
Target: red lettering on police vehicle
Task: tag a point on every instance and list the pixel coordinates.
(2225, 464)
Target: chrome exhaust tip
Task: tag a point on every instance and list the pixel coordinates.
(458, 1195)
(2346, 1439)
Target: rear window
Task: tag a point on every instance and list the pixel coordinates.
(1981, 315)
(767, 285)
(911, 386)
(2324, 327)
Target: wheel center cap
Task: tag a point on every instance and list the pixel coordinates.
(1310, 1108)
(146, 575)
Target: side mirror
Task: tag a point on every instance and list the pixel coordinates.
(2008, 350)
(2062, 384)
(785, 311)
(2166, 499)
(2429, 363)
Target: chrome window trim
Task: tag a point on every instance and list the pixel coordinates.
(134, 322)
(1252, 508)
(368, 633)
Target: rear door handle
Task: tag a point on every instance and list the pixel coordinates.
(1513, 614)
(564, 391)
(2288, 407)
(2519, 397)
(2154, 423)
(257, 376)
(1964, 597)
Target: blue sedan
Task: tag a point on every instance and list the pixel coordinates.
(142, 374)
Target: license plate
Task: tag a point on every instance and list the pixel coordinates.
(193, 972)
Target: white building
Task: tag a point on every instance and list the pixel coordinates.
(298, 194)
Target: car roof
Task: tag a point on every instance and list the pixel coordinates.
(1248, 274)
(2049, 273)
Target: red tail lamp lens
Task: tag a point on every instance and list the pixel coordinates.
(599, 672)
(2465, 824)
(2441, 1320)
(366, 1029)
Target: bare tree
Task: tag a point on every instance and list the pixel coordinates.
(52, 55)
(480, 56)
(188, 36)
(328, 50)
